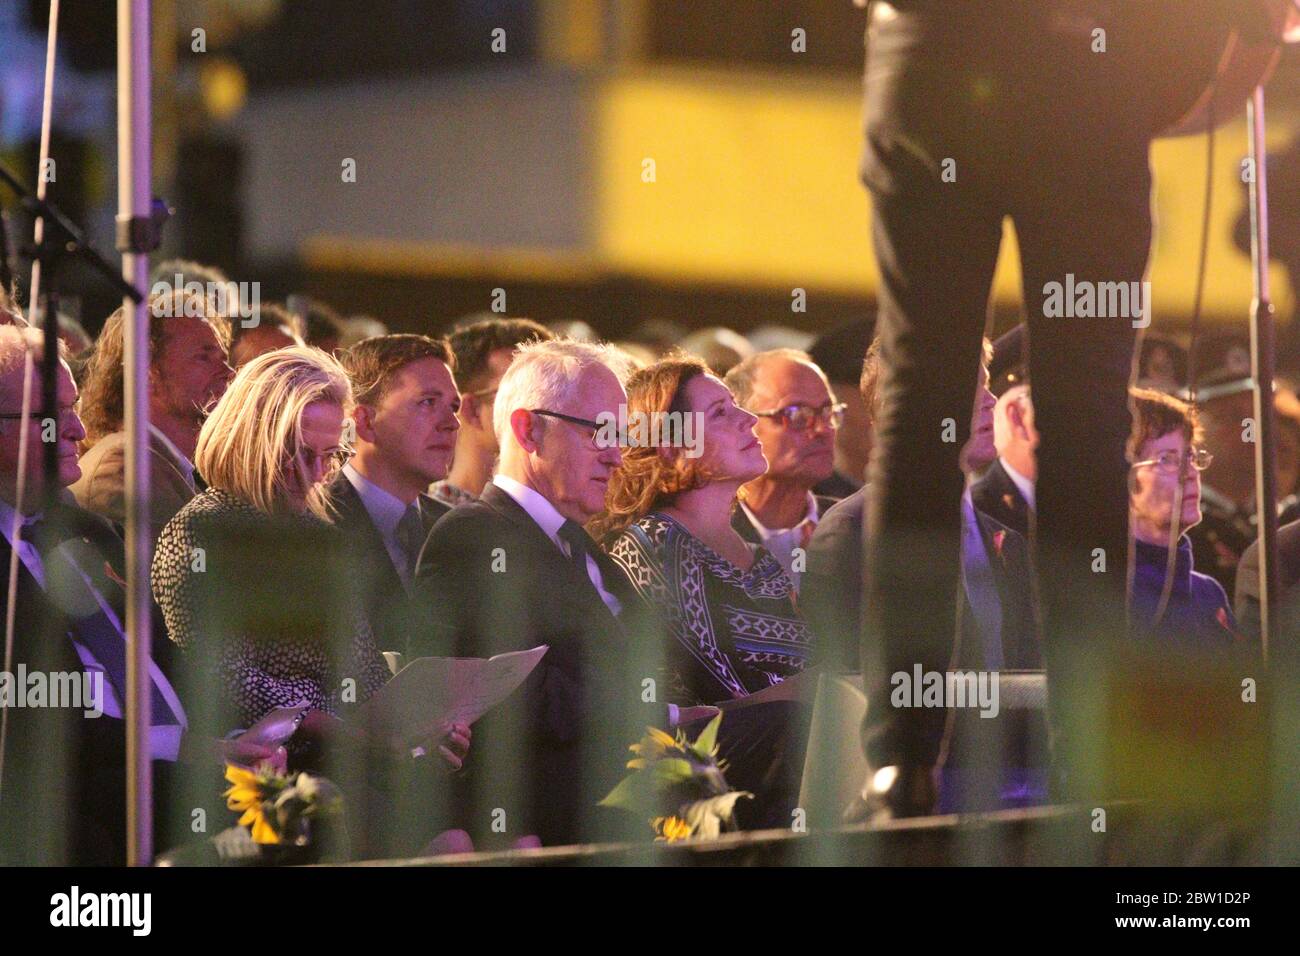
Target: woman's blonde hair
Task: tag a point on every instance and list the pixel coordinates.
(648, 480)
(248, 444)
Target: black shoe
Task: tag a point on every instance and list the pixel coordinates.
(895, 793)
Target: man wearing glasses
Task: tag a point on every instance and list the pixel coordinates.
(797, 419)
(515, 569)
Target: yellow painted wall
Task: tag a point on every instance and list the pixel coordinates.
(756, 184)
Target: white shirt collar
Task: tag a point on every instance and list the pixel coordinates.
(765, 532)
(1025, 485)
(385, 509)
(538, 508)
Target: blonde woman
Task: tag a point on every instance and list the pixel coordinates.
(250, 575)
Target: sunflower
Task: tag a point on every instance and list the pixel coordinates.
(248, 793)
(671, 829)
(653, 746)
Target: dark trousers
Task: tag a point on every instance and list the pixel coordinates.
(1043, 130)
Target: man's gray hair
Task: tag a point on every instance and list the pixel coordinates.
(545, 374)
(741, 378)
(15, 342)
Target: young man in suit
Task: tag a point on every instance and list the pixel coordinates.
(63, 789)
(188, 372)
(797, 420)
(406, 426)
(516, 569)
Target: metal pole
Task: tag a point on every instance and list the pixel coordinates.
(135, 194)
(1261, 348)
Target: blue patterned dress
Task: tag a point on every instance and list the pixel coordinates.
(730, 632)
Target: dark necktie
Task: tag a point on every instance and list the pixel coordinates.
(410, 535)
(580, 545)
(95, 631)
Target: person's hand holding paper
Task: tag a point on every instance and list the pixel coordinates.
(440, 697)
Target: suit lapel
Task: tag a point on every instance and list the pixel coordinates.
(549, 554)
(171, 467)
(744, 527)
(354, 521)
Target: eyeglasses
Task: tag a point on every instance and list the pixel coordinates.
(65, 412)
(333, 461)
(595, 427)
(803, 417)
(1170, 461)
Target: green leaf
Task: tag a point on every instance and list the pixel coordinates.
(671, 771)
(708, 738)
(624, 795)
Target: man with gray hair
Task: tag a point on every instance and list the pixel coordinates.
(62, 793)
(515, 569)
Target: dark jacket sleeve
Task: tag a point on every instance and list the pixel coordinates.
(452, 591)
(1247, 596)
(830, 593)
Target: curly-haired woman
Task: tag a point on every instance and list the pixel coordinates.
(727, 605)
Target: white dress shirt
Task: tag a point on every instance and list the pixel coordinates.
(1023, 484)
(550, 520)
(165, 741)
(782, 541)
(386, 511)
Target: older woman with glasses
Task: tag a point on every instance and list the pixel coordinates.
(1171, 602)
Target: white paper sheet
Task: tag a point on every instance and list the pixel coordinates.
(431, 692)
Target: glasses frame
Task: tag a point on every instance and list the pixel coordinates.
(573, 420)
(831, 414)
(337, 459)
(1192, 457)
(37, 414)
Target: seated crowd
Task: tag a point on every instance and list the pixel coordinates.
(320, 501)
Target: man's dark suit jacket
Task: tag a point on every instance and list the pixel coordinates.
(997, 496)
(64, 788)
(550, 752)
(740, 521)
(831, 600)
(1246, 599)
(391, 611)
(831, 595)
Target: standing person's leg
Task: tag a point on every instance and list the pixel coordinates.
(1091, 236)
(936, 239)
